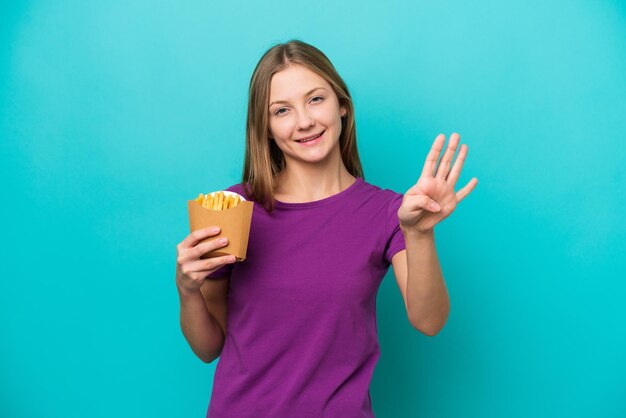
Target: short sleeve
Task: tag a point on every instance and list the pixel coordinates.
(225, 270)
(393, 233)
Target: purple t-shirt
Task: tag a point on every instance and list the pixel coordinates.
(301, 330)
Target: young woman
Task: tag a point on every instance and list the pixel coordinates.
(301, 339)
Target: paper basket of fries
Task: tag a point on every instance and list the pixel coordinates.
(228, 210)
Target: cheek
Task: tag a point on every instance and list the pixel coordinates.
(329, 114)
(280, 127)
(273, 129)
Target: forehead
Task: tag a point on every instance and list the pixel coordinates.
(293, 82)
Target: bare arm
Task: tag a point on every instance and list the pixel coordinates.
(203, 318)
(202, 302)
(428, 304)
(424, 205)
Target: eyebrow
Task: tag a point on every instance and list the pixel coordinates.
(311, 91)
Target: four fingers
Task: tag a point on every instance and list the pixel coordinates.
(191, 249)
(443, 170)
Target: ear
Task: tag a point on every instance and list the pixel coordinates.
(343, 111)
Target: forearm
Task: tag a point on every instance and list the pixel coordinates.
(201, 330)
(428, 304)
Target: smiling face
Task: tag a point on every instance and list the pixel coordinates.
(302, 105)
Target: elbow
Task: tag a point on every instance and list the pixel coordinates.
(429, 330)
(429, 327)
(208, 353)
(208, 358)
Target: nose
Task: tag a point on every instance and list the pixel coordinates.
(305, 120)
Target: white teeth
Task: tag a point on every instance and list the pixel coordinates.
(310, 139)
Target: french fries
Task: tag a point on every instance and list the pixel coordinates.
(218, 201)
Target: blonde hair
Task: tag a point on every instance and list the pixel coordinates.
(263, 159)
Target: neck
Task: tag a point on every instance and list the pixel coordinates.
(310, 182)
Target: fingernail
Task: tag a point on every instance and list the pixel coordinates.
(215, 230)
(223, 240)
(434, 206)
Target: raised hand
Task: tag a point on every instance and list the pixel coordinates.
(432, 198)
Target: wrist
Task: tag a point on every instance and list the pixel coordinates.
(187, 293)
(417, 234)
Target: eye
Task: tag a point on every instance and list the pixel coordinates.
(278, 111)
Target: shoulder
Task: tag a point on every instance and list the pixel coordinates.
(385, 201)
(237, 188)
(383, 194)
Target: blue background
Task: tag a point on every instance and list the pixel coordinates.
(114, 114)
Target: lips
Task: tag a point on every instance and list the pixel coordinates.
(310, 137)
